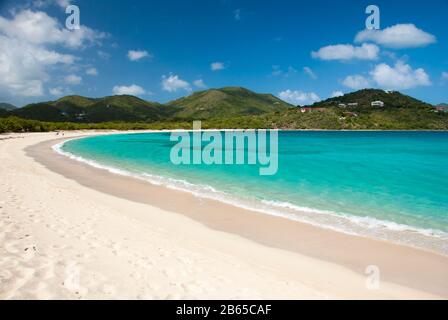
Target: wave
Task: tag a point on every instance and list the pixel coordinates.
(434, 240)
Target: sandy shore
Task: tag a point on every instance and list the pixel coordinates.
(70, 231)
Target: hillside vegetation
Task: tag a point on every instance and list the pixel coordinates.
(226, 103)
(227, 108)
(391, 99)
(82, 109)
(7, 106)
(213, 103)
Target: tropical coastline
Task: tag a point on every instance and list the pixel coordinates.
(287, 259)
(414, 226)
(215, 153)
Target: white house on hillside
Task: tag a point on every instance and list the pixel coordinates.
(377, 104)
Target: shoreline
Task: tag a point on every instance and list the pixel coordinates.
(274, 232)
(412, 236)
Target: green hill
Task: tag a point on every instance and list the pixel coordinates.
(81, 109)
(214, 103)
(364, 97)
(232, 108)
(225, 103)
(7, 106)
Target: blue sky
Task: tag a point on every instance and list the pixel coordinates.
(163, 50)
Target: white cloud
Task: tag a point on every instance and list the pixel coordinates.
(92, 72)
(345, 52)
(133, 90)
(135, 55)
(335, 94)
(397, 36)
(310, 72)
(23, 67)
(174, 83)
(45, 3)
(58, 91)
(200, 83)
(400, 76)
(445, 75)
(215, 66)
(63, 3)
(356, 82)
(29, 41)
(298, 97)
(36, 27)
(73, 79)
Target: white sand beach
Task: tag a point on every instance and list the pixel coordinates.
(63, 236)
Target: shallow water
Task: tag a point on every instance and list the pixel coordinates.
(391, 185)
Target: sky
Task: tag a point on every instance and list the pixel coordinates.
(301, 51)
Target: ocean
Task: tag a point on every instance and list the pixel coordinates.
(388, 185)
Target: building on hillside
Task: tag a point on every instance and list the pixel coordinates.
(342, 105)
(441, 108)
(353, 104)
(377, 103)
(308, 109)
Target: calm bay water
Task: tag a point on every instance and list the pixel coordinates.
(391, 185)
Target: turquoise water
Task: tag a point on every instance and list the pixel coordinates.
(393, 185)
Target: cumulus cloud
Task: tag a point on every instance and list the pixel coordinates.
(173, 83)
(397, 36)
(45, 3)
(400, 76)
(73, 79)
(335, 94)
(216, 66)
(29, 41)
(298, 97)
(92, 72)
(310, 72)
(23, 67)
(57, 91)
(347, 52)
(200, 83)
(356, 82)
(135, 55)
(36, 27)
(133, 90)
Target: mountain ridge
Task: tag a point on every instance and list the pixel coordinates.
(7, 106)
(212, 103)
(226, 102)
(241, 108)
(364, 98)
